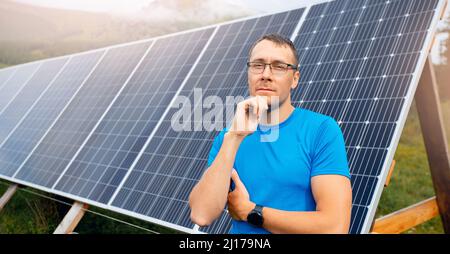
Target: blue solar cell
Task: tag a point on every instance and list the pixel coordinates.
(5, 75)
(15, 83)
(102, 163)
(363, 187)
(29, 95)
(27, 134)
(60, 144)
(358, 212)
(358, 157)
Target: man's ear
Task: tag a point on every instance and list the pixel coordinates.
(296, 79)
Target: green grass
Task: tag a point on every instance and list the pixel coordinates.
(29, 213)
(411, 180)
(410, 183)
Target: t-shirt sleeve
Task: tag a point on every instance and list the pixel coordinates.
(217, 143)
(330, 156)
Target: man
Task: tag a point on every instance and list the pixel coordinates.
(298, 183)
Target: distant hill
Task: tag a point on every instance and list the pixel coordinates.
(28, 32)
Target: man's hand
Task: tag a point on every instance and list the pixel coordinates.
(239, 204)
(247, 116)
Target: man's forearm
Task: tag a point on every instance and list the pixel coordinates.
(209, 196)
(314, 222)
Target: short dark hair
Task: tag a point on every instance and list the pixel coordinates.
(278, 40)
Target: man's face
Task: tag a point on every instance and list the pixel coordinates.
(267, 83)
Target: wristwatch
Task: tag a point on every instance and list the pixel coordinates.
(255, 217)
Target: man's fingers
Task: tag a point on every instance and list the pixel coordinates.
(265, 103)
(236, 179)
(253, 105)
(262, 106)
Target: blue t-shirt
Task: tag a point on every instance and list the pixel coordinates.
(278, 174)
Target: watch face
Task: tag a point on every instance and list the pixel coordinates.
(255, 218)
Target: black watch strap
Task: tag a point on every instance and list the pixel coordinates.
(255, 217)
(258, 208)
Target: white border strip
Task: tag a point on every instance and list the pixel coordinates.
(118, 94)
(62, 112)
(212, 36)
(300, 23)
(372, 207)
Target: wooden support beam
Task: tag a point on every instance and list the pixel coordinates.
(388, 179)
(406, 218)
(435, 139)
(8, 195)
(443, 10)
(72, 218)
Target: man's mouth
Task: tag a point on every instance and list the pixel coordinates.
(264, 90)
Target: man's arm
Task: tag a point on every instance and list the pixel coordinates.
(333, 197)
(208, 198)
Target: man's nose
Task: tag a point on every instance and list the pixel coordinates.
(267, 72)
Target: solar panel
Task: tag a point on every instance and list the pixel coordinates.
(5, 75)
(358, 60)
(102, 163)
(159, 184)
(15, 83)
(27, 97)
(112, 144)
(49, 158)
(28, 133)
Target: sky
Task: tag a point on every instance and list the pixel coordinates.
(111, 6)
(130, 6)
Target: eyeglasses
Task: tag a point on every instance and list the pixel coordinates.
(277, 68)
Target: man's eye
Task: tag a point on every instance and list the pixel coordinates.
(279, 66)
(258, 65)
